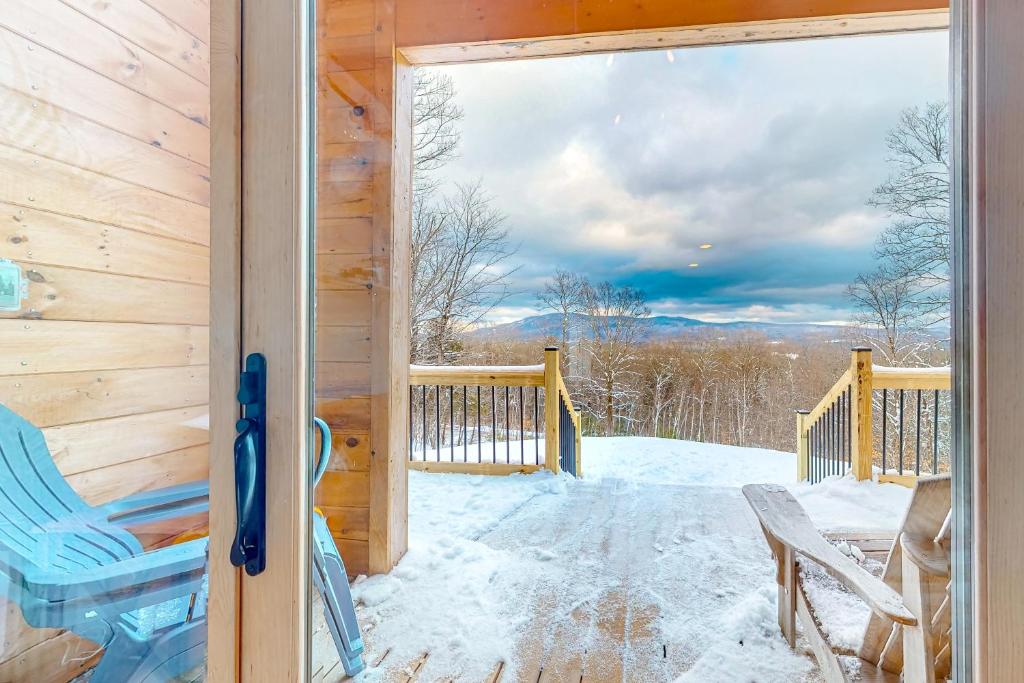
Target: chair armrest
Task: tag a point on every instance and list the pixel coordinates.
(174, 564)
(158, 505)
(785, 519)
(931, 557)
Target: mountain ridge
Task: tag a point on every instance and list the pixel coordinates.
(652, 328)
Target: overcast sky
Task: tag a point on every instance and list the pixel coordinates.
(622, 166)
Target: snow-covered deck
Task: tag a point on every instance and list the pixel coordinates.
(650, 569)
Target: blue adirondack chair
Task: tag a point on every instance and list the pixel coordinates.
(74, 566)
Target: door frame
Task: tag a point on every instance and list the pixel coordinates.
(261, 302)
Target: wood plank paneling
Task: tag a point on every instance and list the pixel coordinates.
(57, 293)
(30, 125)
(45, 346)
(346, 162)
(349, 307)
(342, 379)
(33, 181)
(70, 397)
(85, 446)
(343, 235)
(42, 73)
(104, 196)
(99, 486)
(343, 344)
(348, 18)
(57, 27)
(356, 555)
(337, 125)
(350, 451)
(344, 489)
(152, 31)
(191, 15)
(348, 53)
(344, 272)
(348, 522)
(345, 414)
(34, 237)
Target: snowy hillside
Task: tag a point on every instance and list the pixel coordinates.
(549, 325)
(650, 568)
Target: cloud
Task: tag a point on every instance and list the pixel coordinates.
(620, 168)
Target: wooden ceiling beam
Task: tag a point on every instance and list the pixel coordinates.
(440, 31)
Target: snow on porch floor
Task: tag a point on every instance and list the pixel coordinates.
(652, 568)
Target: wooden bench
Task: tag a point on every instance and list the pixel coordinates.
(908, 632)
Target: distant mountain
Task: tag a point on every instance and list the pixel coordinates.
(654, 328)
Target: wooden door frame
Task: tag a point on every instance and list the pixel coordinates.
(261, 302)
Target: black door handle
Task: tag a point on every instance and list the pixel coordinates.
(249, 547)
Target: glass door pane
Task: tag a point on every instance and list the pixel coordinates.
(104, 326)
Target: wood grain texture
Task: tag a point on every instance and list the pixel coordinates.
(38, 72)
(71, 34)
(444, 22)
(34, 237)
(152, 31)
(29, 125)
(33, 181)
(58, 293)
(64, 398)
(678, 37)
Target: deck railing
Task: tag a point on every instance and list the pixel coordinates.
(912, 435)
(493, 419)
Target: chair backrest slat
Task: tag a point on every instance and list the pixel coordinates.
(43, 522)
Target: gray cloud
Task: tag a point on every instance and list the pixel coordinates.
(622, 166)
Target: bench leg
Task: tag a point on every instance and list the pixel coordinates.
(787, 595)
(918, 653)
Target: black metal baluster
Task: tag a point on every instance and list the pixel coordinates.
(465, 426)
(437, 423)
(451, 420)
(536, 425)
(917, 446)
(522, 422)
(812, 439)
(479, 447)
(425, 437)
(494, 426)
(842, 432)
(508, 446)
(901, 432)
(935, 435)
(885, 425)
(412, 409)
(849, 426)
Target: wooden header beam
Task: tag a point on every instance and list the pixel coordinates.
(445, 31)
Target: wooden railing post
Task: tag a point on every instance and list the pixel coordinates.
(803, 452)
(551, 399)
(862, 437)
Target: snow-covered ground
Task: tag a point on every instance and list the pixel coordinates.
(653, 560)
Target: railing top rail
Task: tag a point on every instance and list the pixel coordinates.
(477, 375)
(884, 377)
(841, 385)
(568, 401)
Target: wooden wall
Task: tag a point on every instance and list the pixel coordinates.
(359, 293)
(104, 203)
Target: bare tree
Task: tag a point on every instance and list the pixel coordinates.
(915, 249)
(436, 118)
(565, 294)
(891, 318)
(462, 268)
(616, 318)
